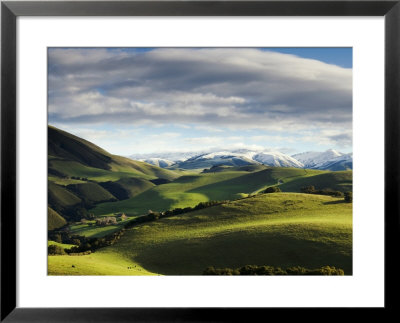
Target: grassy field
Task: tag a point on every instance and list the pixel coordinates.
(62, 245)
(90, 230)
(280, 229)
(99, 263)
(94, 231)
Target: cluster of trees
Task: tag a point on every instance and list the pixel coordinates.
(327, 191)
(79, 178)
(107, 220)
(56, 250)
(272, 189)
(271, 271)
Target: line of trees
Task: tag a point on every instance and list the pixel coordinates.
(152, 215)
(348, 196)
(273, 271)
(326, 191)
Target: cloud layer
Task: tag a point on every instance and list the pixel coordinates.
(211, 88)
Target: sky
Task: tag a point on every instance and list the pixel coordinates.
(133, 101)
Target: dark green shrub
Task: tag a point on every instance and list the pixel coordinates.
(209, 271)
(56, 250)
(308, 189)
(348, 197)
(273, 189)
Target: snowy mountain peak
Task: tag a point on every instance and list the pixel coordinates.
(312, 159)
(329, 159)
(278, 159)
(160, 162)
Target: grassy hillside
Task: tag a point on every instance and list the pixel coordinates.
(91, 192)
(128, 187)
(338, 181)
(69, 147)
(99, 263)
(192, 189)
(280, 229)
(54, 220)
(178, 193)
(70, 155)
(60, 198)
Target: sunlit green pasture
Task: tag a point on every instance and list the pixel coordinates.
(62, 245)
(99, 263)
(280, 229)
(91, 230)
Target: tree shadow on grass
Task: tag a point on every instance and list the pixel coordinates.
(335, 202)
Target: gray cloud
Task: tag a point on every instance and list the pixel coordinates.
(342, 139)
(224, 86)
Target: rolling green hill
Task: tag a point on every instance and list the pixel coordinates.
(279, 229)
(226, 184)
(54, 220)
(69, 147)
(179, 193)
(338, 181)
(91, 193)
(126, 188)
(70, 155)
(60, 199)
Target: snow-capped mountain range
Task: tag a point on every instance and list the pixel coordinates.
(327, 160)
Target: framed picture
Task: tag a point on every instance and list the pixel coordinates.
(179, 154)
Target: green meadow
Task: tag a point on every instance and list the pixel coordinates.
(98, 263)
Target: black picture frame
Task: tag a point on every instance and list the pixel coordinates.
(10, 10)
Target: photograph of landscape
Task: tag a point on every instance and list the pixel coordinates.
(200, 161)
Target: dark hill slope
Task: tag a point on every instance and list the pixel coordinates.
(70, 155)
(69, 147)
(61, 199)
(91, 193)
(54, 220)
